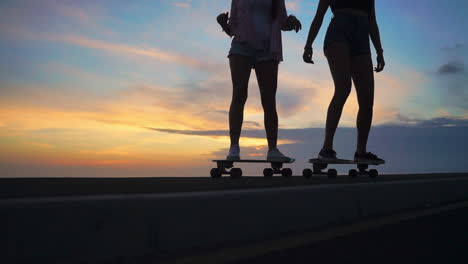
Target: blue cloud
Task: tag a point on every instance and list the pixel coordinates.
(420, 146)
(452, 67)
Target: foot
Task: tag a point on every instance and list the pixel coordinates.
(367, 157)
(327, 154)
(234, 153)
(276, 155)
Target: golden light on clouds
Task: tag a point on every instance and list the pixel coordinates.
(115, 132)
(44, 136)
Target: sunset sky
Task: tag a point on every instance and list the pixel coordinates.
(95, 88)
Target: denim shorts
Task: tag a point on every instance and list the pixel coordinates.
(244, 49)
(352, 29)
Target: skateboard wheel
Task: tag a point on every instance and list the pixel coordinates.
(353, 173)
(215, 173)
(236, 173)
(373, 173)
(332, 173)
(268, 172)
(307, 173)
(287, 172)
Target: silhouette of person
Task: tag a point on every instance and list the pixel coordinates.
(347, 49)
(255, 26)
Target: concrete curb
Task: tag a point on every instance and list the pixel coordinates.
(109, 226)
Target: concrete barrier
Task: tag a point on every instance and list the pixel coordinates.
(109, 226)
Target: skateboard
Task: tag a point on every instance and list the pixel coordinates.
(319, 165)
(227, 167)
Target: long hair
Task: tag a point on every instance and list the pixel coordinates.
(274, 8)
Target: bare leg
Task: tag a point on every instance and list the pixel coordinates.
(240, 74)
(267, 77)
(363, 77)
(340, 66)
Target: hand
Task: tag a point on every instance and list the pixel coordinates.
(294, 23)
(223, 18)
(307, 56)
(380, 62)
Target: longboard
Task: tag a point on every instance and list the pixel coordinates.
(227, 167)
(319, 165)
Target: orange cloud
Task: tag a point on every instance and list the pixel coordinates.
(153, 53)
(182, 4)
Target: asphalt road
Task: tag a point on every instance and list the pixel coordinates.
(439, 238)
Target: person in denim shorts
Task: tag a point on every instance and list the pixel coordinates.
(347, 49)
(256, 26)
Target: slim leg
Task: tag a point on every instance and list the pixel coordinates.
(363, 77)
(240, 74)
(267, 77)
(338, 57)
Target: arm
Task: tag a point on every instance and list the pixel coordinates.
(223, 22)
(287, 23)
(314, 29)
(317, 22)
(375, 37)
(374, 32)
(227, 22)
(290, 22)
(282, 15)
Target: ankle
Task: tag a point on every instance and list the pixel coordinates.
(327, 147)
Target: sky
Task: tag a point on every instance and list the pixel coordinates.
(113, 88)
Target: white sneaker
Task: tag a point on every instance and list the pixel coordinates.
(276, 155)
(234, 153)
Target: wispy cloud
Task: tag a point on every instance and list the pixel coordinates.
(455, 47)
(80, 14)
(114, 48)
(298, 134)
(452, 67)
(211, 133)
(452, 78)
(416, 145)
(148, 52)
(443, 121)
(182, 4)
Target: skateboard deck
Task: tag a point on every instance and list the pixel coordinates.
(227, 167)
(343, 161)
(320, 164)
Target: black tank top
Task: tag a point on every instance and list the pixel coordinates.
(364, 5)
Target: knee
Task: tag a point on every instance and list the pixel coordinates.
(239, 98)
(342, 93)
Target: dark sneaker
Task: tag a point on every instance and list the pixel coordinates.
(367, 157)
(327, 154)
